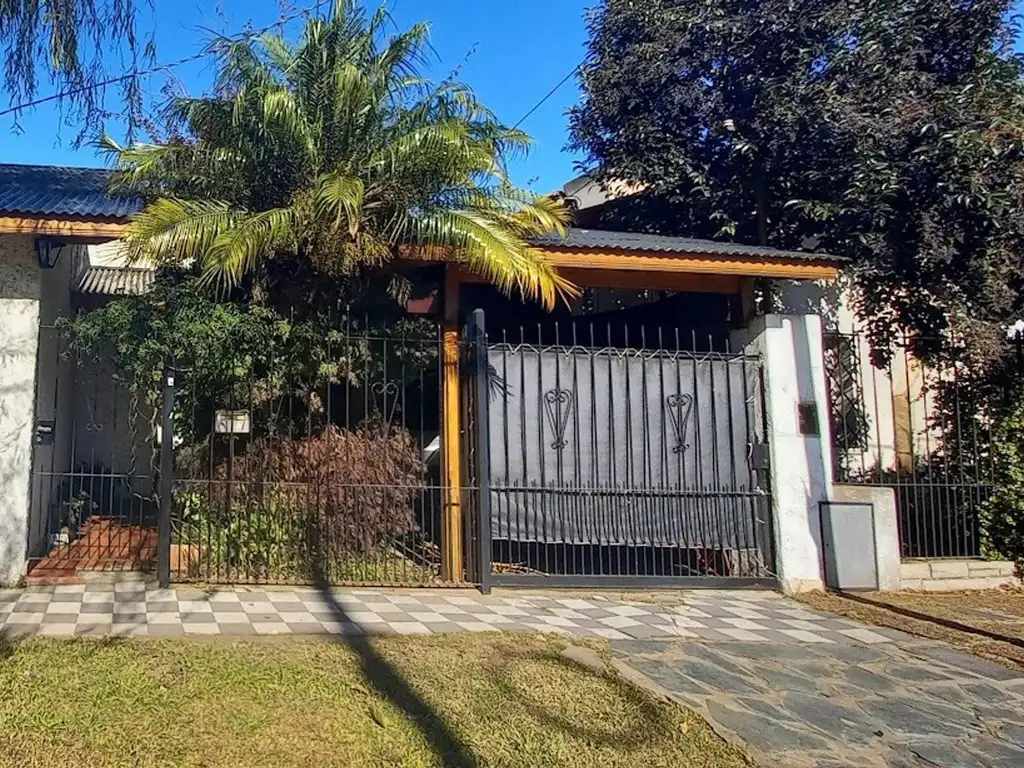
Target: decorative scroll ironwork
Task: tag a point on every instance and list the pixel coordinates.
(679, 408)
(385, 390)
(558, 404)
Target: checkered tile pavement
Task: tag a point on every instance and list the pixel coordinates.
(135, 608)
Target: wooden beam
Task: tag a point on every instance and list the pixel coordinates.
(780, 267)
(76, 228)
(451, 434)
(667, 263)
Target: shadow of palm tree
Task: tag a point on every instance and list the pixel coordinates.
(6, 645)
(389, 683)
(615, 734)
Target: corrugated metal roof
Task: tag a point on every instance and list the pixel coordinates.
(115, 281)
(48, 190)
(593, 239)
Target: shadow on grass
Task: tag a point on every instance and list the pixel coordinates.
(6, 645)
(938, 620)
(618, 734)
(389, 683)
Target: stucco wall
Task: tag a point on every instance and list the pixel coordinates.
(19, 335)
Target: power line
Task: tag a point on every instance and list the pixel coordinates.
(159, 67)
(548, 95)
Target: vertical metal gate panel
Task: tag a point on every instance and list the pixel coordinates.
(921, 427)
(93, 490)
(620, 465)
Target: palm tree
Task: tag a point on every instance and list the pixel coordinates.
(336, 150)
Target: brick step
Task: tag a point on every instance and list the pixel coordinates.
(106, 545)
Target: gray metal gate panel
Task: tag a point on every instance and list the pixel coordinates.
(626, 430)
(618, 466)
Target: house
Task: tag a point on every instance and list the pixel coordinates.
(666, 435)
(900, 438)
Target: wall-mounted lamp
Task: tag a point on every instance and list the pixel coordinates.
(48, 250)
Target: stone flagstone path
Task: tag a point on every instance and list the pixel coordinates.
(910, 704)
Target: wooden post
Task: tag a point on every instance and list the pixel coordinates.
(451, 434)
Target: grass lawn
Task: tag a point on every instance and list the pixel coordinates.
(988, 624)
(455, 700)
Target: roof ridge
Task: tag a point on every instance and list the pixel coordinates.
(45, 167)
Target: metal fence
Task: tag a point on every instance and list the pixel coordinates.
(617, 455)
(924, 430)
(331, 476)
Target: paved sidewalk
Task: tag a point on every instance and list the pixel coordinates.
(133, 608)
(909, 704)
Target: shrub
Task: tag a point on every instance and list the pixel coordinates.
(301, 504)
(1002, 521)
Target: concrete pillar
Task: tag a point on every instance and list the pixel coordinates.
(796, 412)
(19, 338)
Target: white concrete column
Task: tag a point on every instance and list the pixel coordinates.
(19, 337)
(796, 412)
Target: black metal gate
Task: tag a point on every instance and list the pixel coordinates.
(627, 457)
(94, 480)
(331, 476)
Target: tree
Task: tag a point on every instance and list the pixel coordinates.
(66, 39)
(889, 131)
(335, 153)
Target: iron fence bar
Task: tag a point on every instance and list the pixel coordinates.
(477, 334)
(940, 460)
(166, 482)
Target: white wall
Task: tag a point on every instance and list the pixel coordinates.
(19, 334)
(801, 468)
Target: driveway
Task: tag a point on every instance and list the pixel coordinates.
(899, 704)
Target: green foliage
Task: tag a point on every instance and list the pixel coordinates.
(337, 152)
(890, 131)
(1003, 514)
(242, 354)
(263, 542)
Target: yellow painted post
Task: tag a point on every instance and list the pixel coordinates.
(451, 430)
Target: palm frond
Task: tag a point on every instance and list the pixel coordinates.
(341, 197)
(491, 251)
(337, 150)
(249, 239)
(173, 231)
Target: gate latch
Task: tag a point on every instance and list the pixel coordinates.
(44, 432)
(757, 454)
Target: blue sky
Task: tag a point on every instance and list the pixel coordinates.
(522, 49)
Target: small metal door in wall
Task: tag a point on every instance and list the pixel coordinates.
(848, 545)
